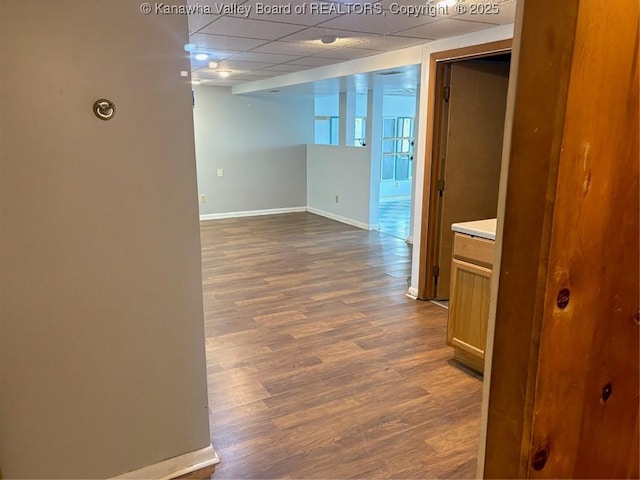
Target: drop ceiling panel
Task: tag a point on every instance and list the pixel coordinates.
(287, 68)
(250, 78)
(196, 22)
(256, 75)
(294, 48)
(390, 42)
(267, 44)
(270, 58)
(348, 53)
(199, 20)
(314, 34)
(444, 28)
(235, 26)
(243, 66)
(382, 24)
(207, 74)
(314, 61)
(221, 82)
(307, 18)
(209, 43)
(214, 55)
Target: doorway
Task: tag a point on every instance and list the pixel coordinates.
(396, 165)
(468, 129)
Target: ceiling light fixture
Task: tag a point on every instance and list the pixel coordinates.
(224, 73)
(327, 39)
(213, 65)
(189, 47)
(201, 56)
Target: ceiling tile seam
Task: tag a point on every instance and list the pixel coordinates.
(204, 26)
(286, 23)
(266, 21)
(475, 21)
(238, 2)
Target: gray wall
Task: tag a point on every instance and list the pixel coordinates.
(342, 171)
(258, 142)
(102, 366)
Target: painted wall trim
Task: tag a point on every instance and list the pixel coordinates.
(340, 218)
(252, 213)
(176, 466)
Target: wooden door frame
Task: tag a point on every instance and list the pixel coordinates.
(429, 213)
(565, 316)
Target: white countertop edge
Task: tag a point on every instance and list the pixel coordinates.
(477, 228)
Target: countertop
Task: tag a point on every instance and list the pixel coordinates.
(477, 228)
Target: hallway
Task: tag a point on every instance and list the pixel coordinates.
(319, 366)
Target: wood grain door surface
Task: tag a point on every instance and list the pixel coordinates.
(477, 102)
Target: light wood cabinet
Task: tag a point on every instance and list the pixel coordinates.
(470, 292)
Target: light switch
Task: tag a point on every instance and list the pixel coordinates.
(219, 172)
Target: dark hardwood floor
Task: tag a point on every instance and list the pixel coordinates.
(319, 366)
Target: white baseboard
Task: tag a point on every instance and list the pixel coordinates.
(340, 218)
(412, 293)
(252, 213)
(176, 466)
(277, 211)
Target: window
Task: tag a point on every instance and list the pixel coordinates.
(397, 148)
(327, 129)
(360, 132)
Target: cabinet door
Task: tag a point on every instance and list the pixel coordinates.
(469, 310)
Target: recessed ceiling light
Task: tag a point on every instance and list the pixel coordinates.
(224, 73)
(201, 56)
(326, 39)
(213, 65)
(189, 47)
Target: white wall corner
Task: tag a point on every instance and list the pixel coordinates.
(412, 293)
(341, 219)
(176, 466)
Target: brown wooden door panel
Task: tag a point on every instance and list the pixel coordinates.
(477, 102)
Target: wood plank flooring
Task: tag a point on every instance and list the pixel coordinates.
(319, 366)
